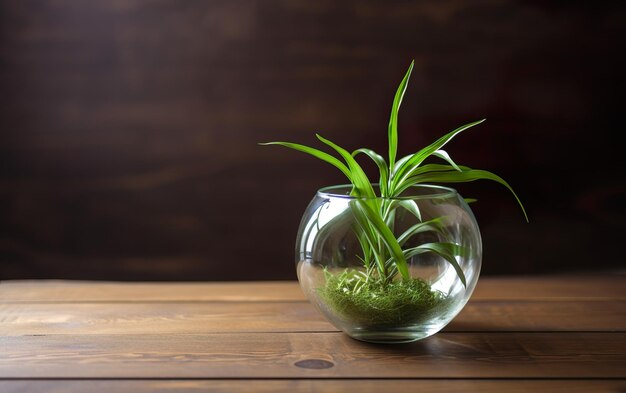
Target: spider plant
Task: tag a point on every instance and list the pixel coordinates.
(384, 256)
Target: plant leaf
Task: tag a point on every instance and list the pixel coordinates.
(448, 251)
(445, 156)
(393, 119)
(409, 205)
(316, 153)
(467, 175)
(387, 236)
(365, 247)
(367, 234)
(358, 176)
(408, 182)
(399, 164)
(382, 167)
(409, 166)
(434, 225)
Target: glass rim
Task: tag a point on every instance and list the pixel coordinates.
(440, 192)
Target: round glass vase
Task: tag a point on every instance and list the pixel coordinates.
(347, 269)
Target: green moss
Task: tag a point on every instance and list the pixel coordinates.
(376, 303)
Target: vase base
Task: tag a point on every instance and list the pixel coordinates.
(389, 337)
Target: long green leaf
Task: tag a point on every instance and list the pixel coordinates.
(365, 247)
(437, 168)
(359, 178)
(416, 159)
(445, 156)
(411, 206)
(407, 204)
(316, 153)
(382, 167)
(393, 169)
(367, 234)
(433, 225)
(447, 251)
(467, 175)
(393, 119)
(400, 188)
(387, 236)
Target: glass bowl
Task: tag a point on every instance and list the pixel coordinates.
(346, 266)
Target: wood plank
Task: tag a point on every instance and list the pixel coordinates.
(541, 315)
(18, 319)
(315, 385)
(274, 355)
(557, 287)
(136, 318)
(95, 291)
(605, 287)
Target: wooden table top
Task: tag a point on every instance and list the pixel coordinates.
(558, 334)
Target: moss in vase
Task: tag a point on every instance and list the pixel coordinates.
(379, 303)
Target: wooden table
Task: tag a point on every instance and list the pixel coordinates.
(558, 334)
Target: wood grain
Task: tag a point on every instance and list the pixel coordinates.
(211, 317)
(168, 318)
(273, 355)
(567, 334)
(94, 291)
(562, 287)
(313, 386)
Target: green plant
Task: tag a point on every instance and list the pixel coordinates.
(384, 256)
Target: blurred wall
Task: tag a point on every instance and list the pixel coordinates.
(129, 129)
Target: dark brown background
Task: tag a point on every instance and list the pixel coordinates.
(129, 130)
